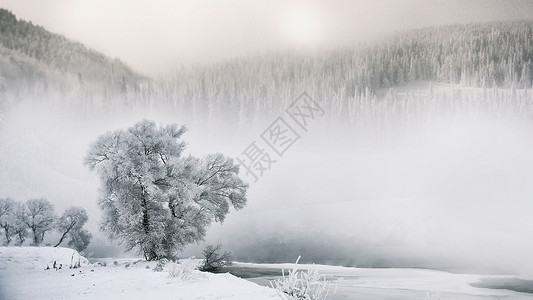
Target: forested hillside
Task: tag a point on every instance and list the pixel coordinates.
(353, 82)
(36, 62)
(360, 80)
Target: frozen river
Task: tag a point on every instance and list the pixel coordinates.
(398, 283)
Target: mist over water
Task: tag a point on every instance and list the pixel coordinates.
(455, 196)
(450, 192)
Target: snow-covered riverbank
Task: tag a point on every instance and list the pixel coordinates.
(23, 275)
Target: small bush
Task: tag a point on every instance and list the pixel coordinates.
(160, 264)
(214, 259)
(184, 270)
(302, 285)
(432, 295)
(174, 270)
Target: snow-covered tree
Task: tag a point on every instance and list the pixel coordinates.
(7, 218)
(80, 239)
(156, 199)
(39, 217)
(214, 258)
(19, 229)
(71, 224)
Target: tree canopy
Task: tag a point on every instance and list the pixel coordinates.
(71, 224)
(156, 199)
(39, 216)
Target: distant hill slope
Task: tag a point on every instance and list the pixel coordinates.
(351, 80)
(488, 55)
(32, 57)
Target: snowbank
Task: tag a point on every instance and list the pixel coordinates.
(39, 258)
(23, 275)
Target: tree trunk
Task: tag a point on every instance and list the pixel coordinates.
(65, 233)
(149, 252)
(21, 237)
(146, 219)
(35, 237)
(8, 235)
(62, 237)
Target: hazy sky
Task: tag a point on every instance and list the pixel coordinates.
(152, 36)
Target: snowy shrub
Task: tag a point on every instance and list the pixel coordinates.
(76, 260)
(432, 296)
(174, 270)
(160, 264)
(183, 270)
(302, 285)
(214, 259)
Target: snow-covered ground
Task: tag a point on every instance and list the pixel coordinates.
(23, 275)
(28, 273)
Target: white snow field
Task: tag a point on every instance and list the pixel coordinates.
(23, 276)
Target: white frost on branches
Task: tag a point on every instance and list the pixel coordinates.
(302, 285)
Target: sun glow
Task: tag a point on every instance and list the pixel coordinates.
(301, 26)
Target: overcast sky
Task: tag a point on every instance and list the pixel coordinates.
(152, 36)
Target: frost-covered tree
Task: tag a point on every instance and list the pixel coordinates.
(70, 224)
(156, 199)
(214, 258)
(19, 229)
(80, 239)
(7, 218)
(39, 217)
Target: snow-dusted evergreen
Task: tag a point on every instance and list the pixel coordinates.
(155, 198)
